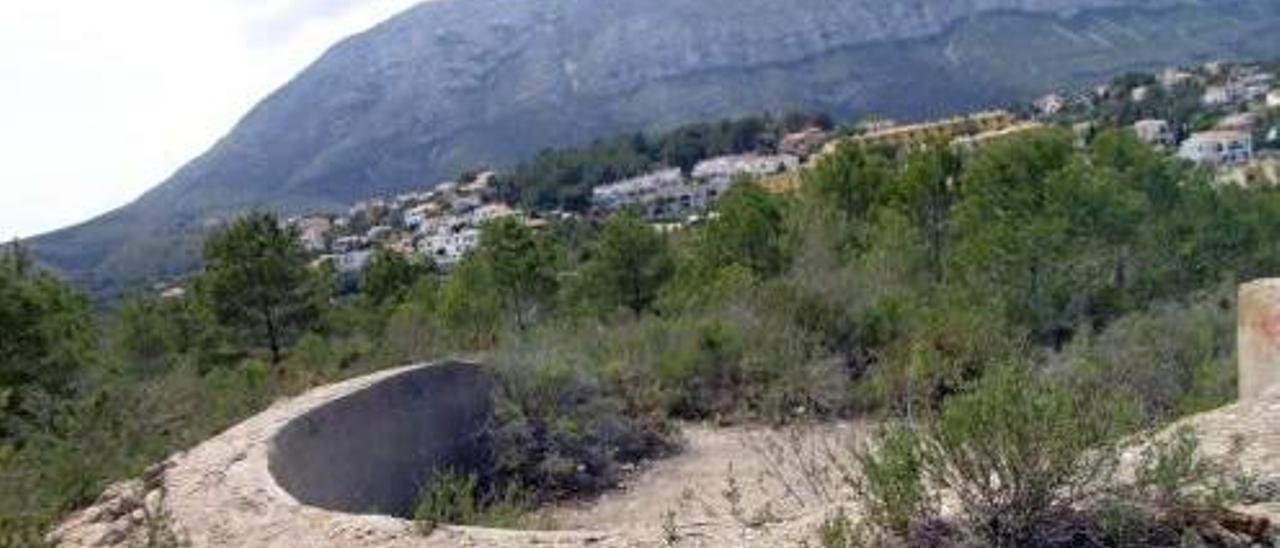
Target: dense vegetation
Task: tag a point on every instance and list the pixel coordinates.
(893, 283)
(563, 179)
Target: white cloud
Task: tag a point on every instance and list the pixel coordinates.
(103, 100)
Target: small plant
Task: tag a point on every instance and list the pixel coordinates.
(453, 498)
(158, 532)
(839, 531)
(733, 494)
(670, 529)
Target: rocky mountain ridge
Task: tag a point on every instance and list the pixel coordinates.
(458, 84)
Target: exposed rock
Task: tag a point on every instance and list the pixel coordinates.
(457, 84)
(152, 503)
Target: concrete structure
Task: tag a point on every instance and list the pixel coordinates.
(1244, 121)
(386, 439)
(941, 130)
(803, 143)
(1154, 132)
(979, 140)
(1258, 337)
(1218, 148)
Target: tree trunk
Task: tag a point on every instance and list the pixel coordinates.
(273, 335)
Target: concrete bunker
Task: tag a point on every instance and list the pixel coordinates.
(371, 451)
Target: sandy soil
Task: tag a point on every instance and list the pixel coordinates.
(742, 486)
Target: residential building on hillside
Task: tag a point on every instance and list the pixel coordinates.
(1154, 132)
(1244, 121)
(379, 234)
(1215, 96)
(666, 194)
(352, 262)
(1050, 104)
(1218, 148)
(415, 217)
(1173, 77)
(349, 243)
(488, 212)
(722, 170)
(446, 248)
(803, 143)
(482, 184)
(313, 232)
(636, 190)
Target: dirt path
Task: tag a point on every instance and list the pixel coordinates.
(729, 487)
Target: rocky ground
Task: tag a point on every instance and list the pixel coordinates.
(741, 486)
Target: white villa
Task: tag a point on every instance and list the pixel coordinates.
(1218, 148)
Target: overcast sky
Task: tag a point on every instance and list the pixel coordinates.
(102, 99)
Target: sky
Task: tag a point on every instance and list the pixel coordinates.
(101, 100)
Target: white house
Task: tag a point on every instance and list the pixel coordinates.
(415, 217)
(1173, 77)
(349, 243)
(1218, 148)
(352, 262)
(1219, 95)
(635, 190)
(447, 248)
(1050, 104)
(313, 232)
(488, 212)
(724, 169)
(1273, 98)
(1155, 132)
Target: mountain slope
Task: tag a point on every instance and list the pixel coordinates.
(455, 84)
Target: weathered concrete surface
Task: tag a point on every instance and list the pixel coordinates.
(223, 493)
(370, 452)
(1247, 433)
(1258, 338)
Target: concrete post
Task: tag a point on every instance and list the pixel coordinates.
(1258, 337)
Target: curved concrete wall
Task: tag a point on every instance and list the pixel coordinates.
(1258, 337)
(370, 452)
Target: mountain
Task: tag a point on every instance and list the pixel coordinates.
(456, 84)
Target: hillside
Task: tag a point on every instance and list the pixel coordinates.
(455, 84)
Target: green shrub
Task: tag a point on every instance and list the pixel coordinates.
(839, 531)
(890, 481)
(460, 499)
(1019, 452)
